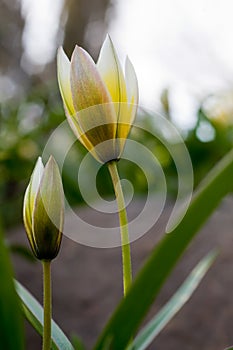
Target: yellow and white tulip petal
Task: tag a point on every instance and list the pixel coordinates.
(36, 179)
(63, 73)
(95, 115)
(81, 136)
(65, 89)
(63, 65)
(33, 186)
(128, 110)
(111, 72)
(29, 200)
(27, 218)
(87, 86)
(98, 127)
(131, 82)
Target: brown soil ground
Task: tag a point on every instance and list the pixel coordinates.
(87, 286)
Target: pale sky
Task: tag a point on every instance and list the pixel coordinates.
(184, 45)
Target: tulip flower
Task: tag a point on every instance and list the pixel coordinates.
(100, 101)
(43, 210)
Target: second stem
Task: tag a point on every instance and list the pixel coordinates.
(47, 305)
(125, 244)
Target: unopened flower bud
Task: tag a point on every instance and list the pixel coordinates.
(43, 210)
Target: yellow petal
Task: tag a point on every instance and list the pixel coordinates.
(100, 130)
(81, 136)
(111, 72)
(128, 110)
(63, 73)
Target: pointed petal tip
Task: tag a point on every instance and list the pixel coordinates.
(39, 164)
(60, 50)
(131, 81)
(61, 55)
(108, 41)
(51, 158)
(77, 54)
(127, 60)
(51, 163)
(107, 46)
(63, 74)
(108, 37)
(77, 50)
(129, 64)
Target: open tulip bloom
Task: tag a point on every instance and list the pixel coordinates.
(100, 101)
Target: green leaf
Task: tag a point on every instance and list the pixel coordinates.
(230, 348)
(77, 342)
(147, 284)
(11, 320)
(22, 251)
(33, 311)
(154, 327)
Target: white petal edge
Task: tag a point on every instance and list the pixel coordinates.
(30, 195)
(131, 82)
(63, 74)
(36, 179)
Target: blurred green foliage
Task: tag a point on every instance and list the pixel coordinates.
(25, 127)
(207, 143)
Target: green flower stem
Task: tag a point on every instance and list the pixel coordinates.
(47, 305)
(125, 245)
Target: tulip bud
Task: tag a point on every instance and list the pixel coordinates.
(100, 99)
(43, 210)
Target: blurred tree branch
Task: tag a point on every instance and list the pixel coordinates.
(79, 14)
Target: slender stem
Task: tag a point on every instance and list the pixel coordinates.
(47, 305)
(125, 245)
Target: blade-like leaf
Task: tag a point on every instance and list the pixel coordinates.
(77, 343)
(11, 320)
(22, 251)
(33, 311)
(155, 326)
(132, 309)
